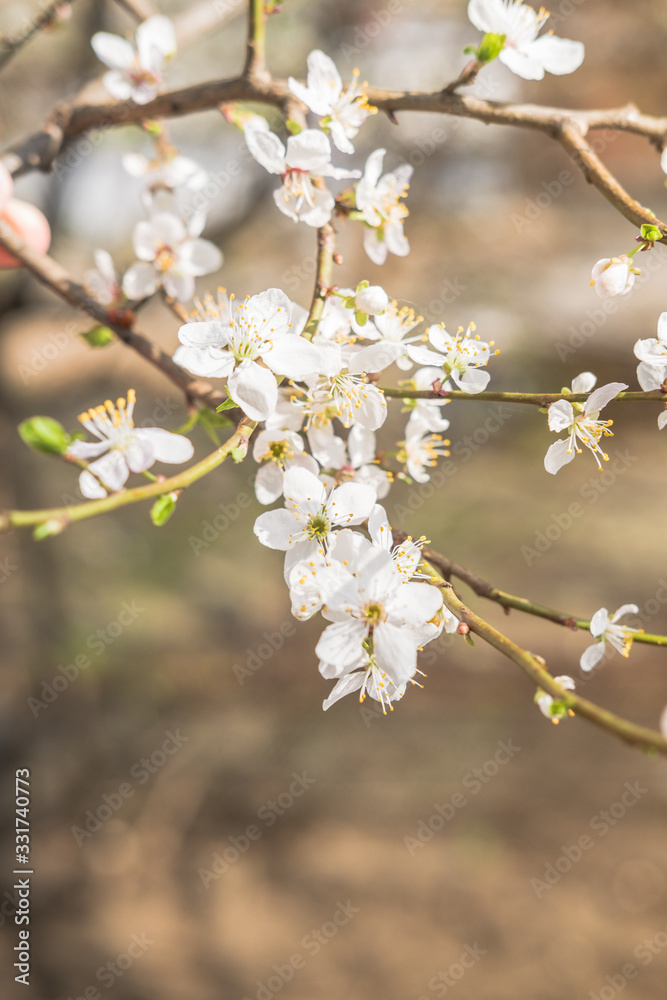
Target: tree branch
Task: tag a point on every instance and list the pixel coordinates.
(639, 736)
(11, 44)
(61, 517)
(50, 273)
(541, 399)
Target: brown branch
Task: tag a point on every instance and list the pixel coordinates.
(137, 9)
(50, 273)
(255, 61)
(447, 568)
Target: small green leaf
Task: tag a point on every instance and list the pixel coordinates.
(470, 50)
(490, 47)
(45, 434)
(360, 317)
(651, 233)
(162, 510)
(362, 284)
(228, 404)
(98, 336)
(238, 454)
(293, 127)
(469, 639)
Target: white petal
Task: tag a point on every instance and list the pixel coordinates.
(600, 397)
(167, 447)
(112, 469)
(584, 382)
(346, 685)
(560, 415)
(255, 390)
(625, 609)
(351, 503)
(557, 456)
(157, 33)
(302, 487)
(599, 622)
(198, 257)
(87, 449)
(266, 148)
(395, 651)
(113, 51)
(309, 150)
(206, 362)
(293, 356)
(523, 63)
(592, 656)
(140, 281)
(276, 528)
(340, 643)
(558, 55)
(90, 487)
(472, 380)
(268, 483)
(375, 357)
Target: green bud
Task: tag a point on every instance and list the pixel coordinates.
(238, 454)
(293, 127)
(162, 509)
(48, 528)
(98, 336)
(45, 434)
(362, 284)
(651, 233)
(490, 47)
(360, 317)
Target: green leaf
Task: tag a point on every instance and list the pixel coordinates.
(228, 404)
(45, 434)
(98, 336)
(211, 422)
(362, 284)
(293, 127)
(162, 510)
(651, 233)
(238, 454)
(360, 317)
(490, 47)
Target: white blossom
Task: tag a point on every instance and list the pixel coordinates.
(355, 463)
(170, 256)
(342, 110)
(607, 631)
(378, 200)
(461, 356)
(306, 156)
(309, 517)
(581, 422)
(421, 452)
(259, 329)
(277, 451)
(345, 395)
(123, 447)
(524, 53)
(136, 70)
(613, 276)
(551, 707)
(652, 367)
(167, 171)
(425, 414)
(371, 300)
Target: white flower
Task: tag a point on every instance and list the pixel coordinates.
(581, 421)
(278, 450)
(652, 367)
(378, 199)
(306, 156)
(309, 516)
(463, 354)
(101, 282)
(606, 630)
(421, 452)
(343, 112)
(613, 276)
(258, 329)
(370, 614)
(367, 677)
(356, 463)
(124, 448)
(552, 708)
(168, 172)
(388, 331)
(425, 414)
(345, 395)
(136, 70)
(524, 53)
(170, 256)
(371, 300)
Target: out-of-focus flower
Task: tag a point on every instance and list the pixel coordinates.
(378, 200)
(170, 256)
(136, 70)
(343, 111)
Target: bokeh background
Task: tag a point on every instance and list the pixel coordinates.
(197, 887)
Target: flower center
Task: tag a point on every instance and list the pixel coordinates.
(318, 527)
(373, 613)
(165, 259)
(279, 451)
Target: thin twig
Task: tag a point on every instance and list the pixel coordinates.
(638, 736)
(541, 399)
(50, 273)
(11, 44)
(61, 517)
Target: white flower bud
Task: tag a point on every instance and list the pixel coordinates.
(372, 300)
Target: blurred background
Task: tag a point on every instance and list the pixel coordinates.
(200, 829)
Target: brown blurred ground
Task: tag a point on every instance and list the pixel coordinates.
(205, 616)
